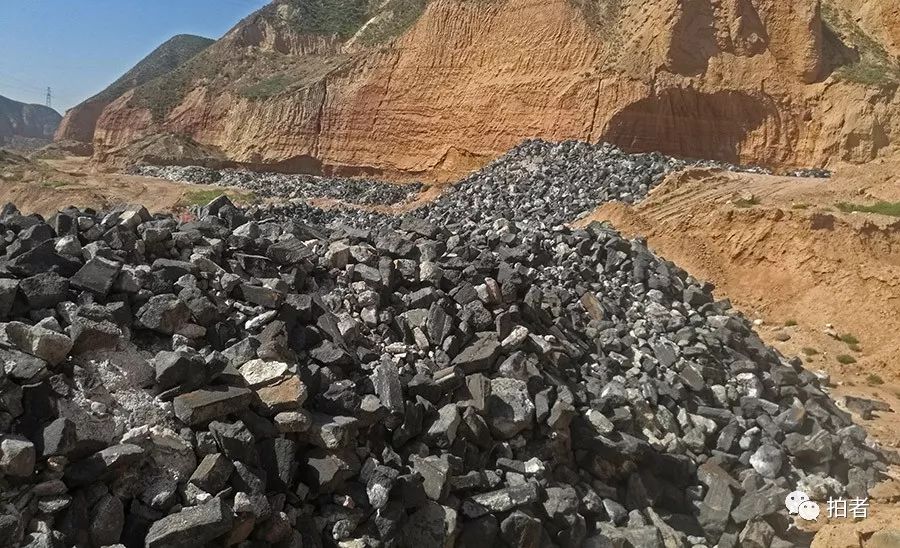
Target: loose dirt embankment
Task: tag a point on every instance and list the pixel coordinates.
(782, 250)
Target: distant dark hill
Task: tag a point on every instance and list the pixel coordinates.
(80, 121)
(23, 126)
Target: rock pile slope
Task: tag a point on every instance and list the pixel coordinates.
(275, 185)
(452, 378)
(536, 180)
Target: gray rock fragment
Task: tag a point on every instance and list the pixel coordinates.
(481, 355)
(17, 456)
(48, 345)
(767, 460)
(210, 403)
(192, 526)
(97, 276)
(509, 407)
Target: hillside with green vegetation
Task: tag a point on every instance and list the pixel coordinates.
(383, 20)
(81, 121)
(164, 59)
(858, 57)
(257, 73)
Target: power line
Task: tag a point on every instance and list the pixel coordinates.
(49, 98)
(8, 80)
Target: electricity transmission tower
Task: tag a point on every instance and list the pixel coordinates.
(49, 98)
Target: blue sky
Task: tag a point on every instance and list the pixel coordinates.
(78, 47)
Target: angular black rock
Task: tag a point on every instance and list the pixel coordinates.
(472, 373)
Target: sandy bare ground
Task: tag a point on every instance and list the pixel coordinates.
(47, 186)
(786, 256)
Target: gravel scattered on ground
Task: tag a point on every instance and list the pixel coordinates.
(277, 185)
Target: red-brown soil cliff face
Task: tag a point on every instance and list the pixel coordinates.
(446, 84)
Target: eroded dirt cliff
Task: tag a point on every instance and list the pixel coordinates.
(436, 87)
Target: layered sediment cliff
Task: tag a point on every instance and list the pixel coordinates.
(437, 87)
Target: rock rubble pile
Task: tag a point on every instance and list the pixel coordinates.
(539, 183)
(544, 184)
(473, 374)
(575, 175)
(277, 185)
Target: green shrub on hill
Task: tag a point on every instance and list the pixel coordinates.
(873, 65)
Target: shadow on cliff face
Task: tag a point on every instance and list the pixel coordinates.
(693, 38)
(303, 163)
(690, 124)
(837, 53)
